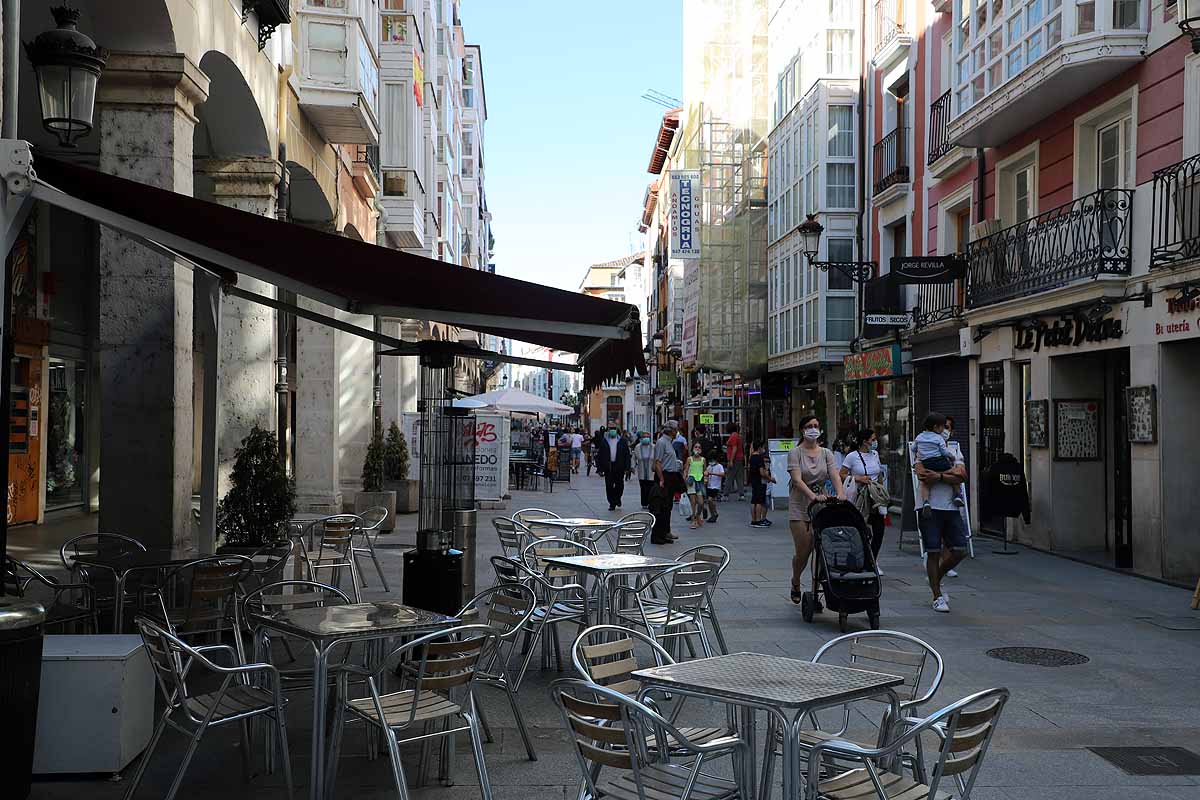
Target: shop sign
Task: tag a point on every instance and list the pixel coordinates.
(707, 419)
(927, 269)
(1187, 302)
(888, 320)
(685, 237)
(1066, 332)
(881, 363)
(666, 379)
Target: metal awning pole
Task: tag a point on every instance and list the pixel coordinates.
(209, 288)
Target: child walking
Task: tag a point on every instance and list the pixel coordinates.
(714, 477)
(933, 453)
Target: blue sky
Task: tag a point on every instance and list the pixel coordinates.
(568, 136)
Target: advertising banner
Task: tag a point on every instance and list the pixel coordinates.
(882, 363)
(927, 269)
(688, 343)
(685, 202)
(490, 455)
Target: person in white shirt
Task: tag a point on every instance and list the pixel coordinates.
(864, 465)
(714, 476)
(576, 449)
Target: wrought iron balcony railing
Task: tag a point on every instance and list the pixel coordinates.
(939, 127)
(1087, 237)
(1176, 220)
(891, 159)
(369, 154)
(938, 302)
(889, 22)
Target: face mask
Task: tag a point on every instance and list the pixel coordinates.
(946, 435)
(873, 446)
(696, 452)
(612, 434)
(812, 434)
(646, 440)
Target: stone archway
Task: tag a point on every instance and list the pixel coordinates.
(307, 202)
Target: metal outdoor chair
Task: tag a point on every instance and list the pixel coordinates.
(286, 594)
(889, 652)
(639, 516)
(102, 581)
(680, 615)
(526, 514)
(192, 712)
(62, 608)
(557, 604)
(513, 536)
(610, 730)
(508, 610)
(439, 664)
(712, 554)
(965, 728)
(201, 597)
(335, 550)
(607, 655)
(629, 536)
(372, 519)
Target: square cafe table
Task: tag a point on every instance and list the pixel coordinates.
(326, 627)
(125, 563)
(605, 565)
(786, 688)
(569, 525)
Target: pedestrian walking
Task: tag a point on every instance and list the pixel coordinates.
(643, 457)
(576, 449)
(694, 469)
(943, 532)
(714, 476)
(760, 476)
(934, 453)
(612, 462)
(735, 457)
(668, 470)
(862, 477)
(809, 466)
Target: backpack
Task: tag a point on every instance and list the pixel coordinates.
(842, 547)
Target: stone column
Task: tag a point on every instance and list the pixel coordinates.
(247, 348)
(409, 368)
(146, 109)
(318, 426)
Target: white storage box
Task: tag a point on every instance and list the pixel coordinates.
(96, 704)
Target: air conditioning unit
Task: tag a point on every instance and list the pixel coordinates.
(968, 347)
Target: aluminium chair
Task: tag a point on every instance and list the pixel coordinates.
(372, 520)
(335, 551)
(713, 554)
(63, 609)
(678, 616)
(557, 604)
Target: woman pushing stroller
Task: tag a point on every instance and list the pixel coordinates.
(809, 467)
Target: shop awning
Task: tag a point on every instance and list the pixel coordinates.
(353, 276)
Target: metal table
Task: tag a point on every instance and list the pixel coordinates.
(126, 563)
(786, 688)
(305, 522)
(606, 565)
(570, 525)
(326, 627)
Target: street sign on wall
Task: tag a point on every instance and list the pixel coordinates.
(685, 200)
(927, 269)
(890, 320)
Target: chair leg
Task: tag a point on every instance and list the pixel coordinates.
(354, 578)
(378, 567)
(281, 738)
(716, 626)
(703, 634)
(516, 707)
(485, 786)
(487, 729)
(141, 767)
(393, 750)
(249, 771)
(187, 759)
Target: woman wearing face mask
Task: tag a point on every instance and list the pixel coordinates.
(694, 471)
(809, 466)
(867, 489)
(643, 454)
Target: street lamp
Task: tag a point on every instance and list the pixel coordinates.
(67, 65)
(810, 242)
(1189, 21)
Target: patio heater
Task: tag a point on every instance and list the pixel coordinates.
(439, 575)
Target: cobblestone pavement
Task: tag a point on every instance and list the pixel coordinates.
(1139, 687)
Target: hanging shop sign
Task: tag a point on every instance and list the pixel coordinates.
(889, 320)
(685, 200)
(666, 379)
(1184, 311)
(707, 419)
(884, 362)
(1070, 331)
(927, 269)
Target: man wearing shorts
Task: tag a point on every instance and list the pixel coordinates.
(943, 532)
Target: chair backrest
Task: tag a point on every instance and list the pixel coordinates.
(639, 516)
(292, 594)
(207, 588)
(267, 564)
(439, 662)
(173, 661)
(373, 517)
(710, 553)
(525, 514)
(893, 653)
(96, 543)
(536, 552)
(607, 655)
(969, 725)
(513, 535)
(506, 608)
(509, 571)
(337, 532)
(629, 536)
(690, 585)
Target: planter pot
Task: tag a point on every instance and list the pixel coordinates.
(365, 500)
(407, 498)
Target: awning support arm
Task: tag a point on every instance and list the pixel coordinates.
(468, 320)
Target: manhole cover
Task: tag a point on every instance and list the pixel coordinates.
(1151, 760)
(1038, 656)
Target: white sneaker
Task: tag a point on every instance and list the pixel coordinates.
(879, 570)
(951, 573)
(942, 605)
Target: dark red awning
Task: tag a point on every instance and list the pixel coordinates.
(359, 277)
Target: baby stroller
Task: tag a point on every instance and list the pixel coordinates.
(844, 566)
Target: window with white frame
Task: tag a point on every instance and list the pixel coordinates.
(393, 151)
(839, 319)
(839, 52)
(839, 185)
(1114, 159)
(811, 312)
(1017, 186)
(841, 131)
(839, 250)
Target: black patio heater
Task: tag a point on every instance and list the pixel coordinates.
(440, 574)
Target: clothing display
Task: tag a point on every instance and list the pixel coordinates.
(1004, 492)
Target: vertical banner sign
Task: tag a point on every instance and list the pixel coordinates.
(689, 342)
(418, 79)
(685, 202)
(488, 439)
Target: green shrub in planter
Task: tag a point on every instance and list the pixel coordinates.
(261, 497)
(372, 471)
(395, 455)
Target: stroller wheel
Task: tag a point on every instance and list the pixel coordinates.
(842, 616)
(873, 617)
(806, 606)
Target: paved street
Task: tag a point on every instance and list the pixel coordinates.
(1120, 697)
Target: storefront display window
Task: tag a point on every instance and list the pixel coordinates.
(846, 399)
(890, 417)
(66, 475)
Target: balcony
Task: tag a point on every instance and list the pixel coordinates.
(1086, 238)
(1016, 63)
(270, 14)
(367, 176)
(891, 34)
(404, 203)
(891, 160)
(339, 73)
(1175, 237)
(944, 157)
(938, 302)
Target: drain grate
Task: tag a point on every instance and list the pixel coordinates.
(1151, 760)
(1038, 656)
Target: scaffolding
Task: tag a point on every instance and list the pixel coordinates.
(725, 137)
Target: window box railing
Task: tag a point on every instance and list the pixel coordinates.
(939, 126)
(889, 22)
(1087, 237)
(891, 159)
(1176, 220)
(368, 155)
(938, 302)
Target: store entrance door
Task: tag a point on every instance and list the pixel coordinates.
(1122, 481)
(991, 429)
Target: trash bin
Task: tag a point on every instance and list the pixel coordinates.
(433, 580)
(20, 675)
